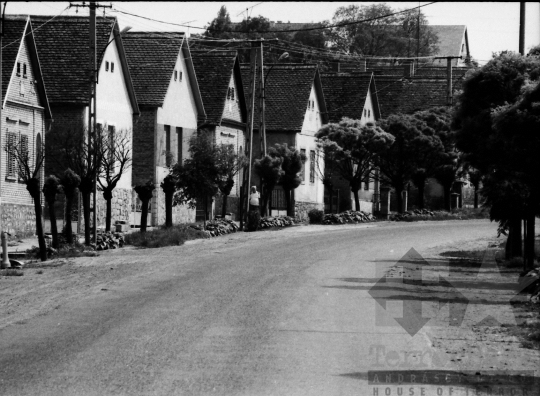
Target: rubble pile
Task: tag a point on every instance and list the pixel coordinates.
(410, 213)
(350, 216)
(109, 240)
(281, 221)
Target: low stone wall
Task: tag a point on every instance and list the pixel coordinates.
(233, 206)
(18, 219)
(121, 206)
(182, 214)
(301, 209)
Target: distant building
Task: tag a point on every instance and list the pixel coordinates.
(453, 41)
(25, 119)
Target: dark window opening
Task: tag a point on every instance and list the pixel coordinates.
(18, 68)
(180, 137)
(112, 67)
(312, 166)
(303, 151)
(175, 75)
(106, 65)
(24, 70)
(180, 76)
(168, 159)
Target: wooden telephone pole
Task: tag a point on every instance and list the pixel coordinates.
(449, 96)
(522, 27)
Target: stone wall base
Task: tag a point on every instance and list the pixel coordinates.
(301, 209)
(233, 206)
(17, 219)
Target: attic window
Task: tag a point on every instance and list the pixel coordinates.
(175, 75)
(369, 113)
(18, 68)
(180, 77)
(106, 66)
(112, 67)
(232, 93)
(24, 70)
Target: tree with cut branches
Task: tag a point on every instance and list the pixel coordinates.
(70, 149)
(328, 168)
(29, 171)
(70, 182)
(51, 188)
(269, 170)
(115, 154)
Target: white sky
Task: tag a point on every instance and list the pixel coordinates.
(492, 26)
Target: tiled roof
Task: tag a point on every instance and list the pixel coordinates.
(407, 95)
(450, 39)
(345, 94)
(13, 32)
(62, 44)
(151, 58)
(287, 94)
(214, 71)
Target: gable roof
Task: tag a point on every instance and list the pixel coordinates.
(17, 28)
(214, 71)
(345, 95)
(450, 39)
(287, 91)
(63, 45)
(407, 95)
(152, 58)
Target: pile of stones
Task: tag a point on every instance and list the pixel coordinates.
(349, 216)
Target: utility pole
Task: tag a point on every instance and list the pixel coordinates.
(92, 110)
(522, 27)
(262, 116)
(1, 37)
(449, 95)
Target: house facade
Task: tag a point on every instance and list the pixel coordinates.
(222, 91)
(295, 111)
(25, 117)
(352, 95)
(170, 104)
(63, 45)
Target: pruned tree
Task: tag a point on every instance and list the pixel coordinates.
(145, 193)
(168, 185)
(292, 164)
(269, 170)
(52, 187)
(70, 182)
(228, 164)
(69, 148)
(356, 151)
(30, 169)
(115, 153)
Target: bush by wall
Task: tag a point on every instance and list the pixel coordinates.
(315, 216)
(350, 216)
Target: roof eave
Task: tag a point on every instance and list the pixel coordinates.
(193, 79)
(32, 50)
(125, 68)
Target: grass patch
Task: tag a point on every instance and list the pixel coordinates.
(161, 237)
(12, 272)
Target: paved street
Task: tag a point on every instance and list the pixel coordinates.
(268, 313)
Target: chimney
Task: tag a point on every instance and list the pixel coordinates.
(408, 69)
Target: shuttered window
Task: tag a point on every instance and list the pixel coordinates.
(11, 157)
(312, 166)
(23, 154)
(303, 175)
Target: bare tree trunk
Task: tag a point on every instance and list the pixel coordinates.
(288, 202)
(399, 198)
(69, 206)
(107, 194)
(144, 213)
(513, 242)
(54, 228)
(205, 211)
(33, 188)
(529, 241)
(476, 197)
(224, 206)
(86, 213)
(168, 208)
(331, 197)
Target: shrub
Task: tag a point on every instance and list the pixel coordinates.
(253, 220)
(315, 216)
(281, 221)
(165, 236)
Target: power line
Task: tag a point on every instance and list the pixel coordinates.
(280, 31)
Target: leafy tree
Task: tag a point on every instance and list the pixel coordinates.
(221, 26)
(357, 148)
(196, 177)
(30, 169)
(115, 154)
(312, 38)
(70, 181)
(491, 91)
(400, 161)
(390, 36)
(145, 193)
(292, 163)
(51, 187)
(328, 150)
(269, 170)
(228, 163)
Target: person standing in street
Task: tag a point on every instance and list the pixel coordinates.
(254, 197)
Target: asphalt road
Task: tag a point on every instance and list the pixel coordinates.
(275, 313)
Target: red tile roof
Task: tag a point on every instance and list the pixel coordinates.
(287, 91)
(152, 58)
(62, 44)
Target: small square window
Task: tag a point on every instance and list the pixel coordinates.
(106, 66)
(18, 68)
(175, 75)
(112, 67)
